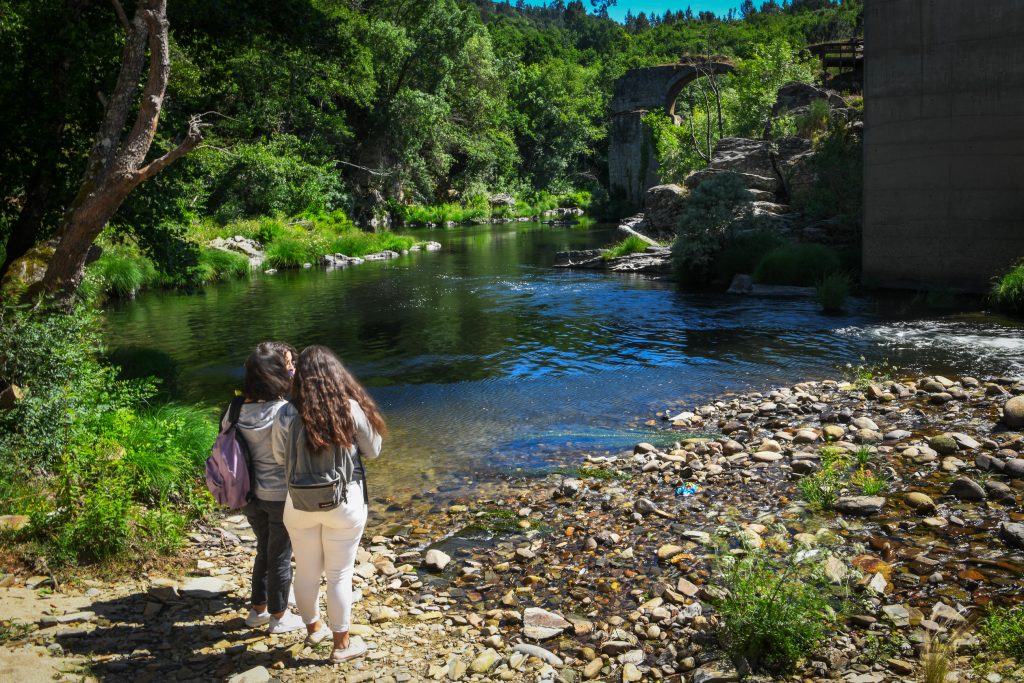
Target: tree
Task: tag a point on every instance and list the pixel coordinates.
(117, 160)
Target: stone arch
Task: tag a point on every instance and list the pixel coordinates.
(632, 161)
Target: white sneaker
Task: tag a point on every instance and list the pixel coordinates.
(289, 621)
(356, 648)
(257, 618)
(318, 636)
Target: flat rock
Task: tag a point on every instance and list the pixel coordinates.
(669, 550)
(1012, 533)
(897, 614)
(767, 456)
(205, 587)
(714, 674)
(540, 624)
(484, 661)
(860, 505)
(258, 674)
(540, 653)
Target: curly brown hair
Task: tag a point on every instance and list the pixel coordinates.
(321, 390)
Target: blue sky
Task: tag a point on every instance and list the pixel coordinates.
(618, 12)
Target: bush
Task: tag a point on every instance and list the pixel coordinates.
(1008, 291)
(1003, 631)
(219, 264)
(832, 291)
(838, 168)
(797, 264)
(122, 270)
(358, 243)
(773, 612)
(289, 252)
(742, 254)
(630, 245)
(712, 209)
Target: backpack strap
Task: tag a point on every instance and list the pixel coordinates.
(235, 409)
(232, 413)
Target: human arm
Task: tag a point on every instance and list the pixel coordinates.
(367, 438)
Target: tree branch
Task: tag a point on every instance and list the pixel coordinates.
(141, 136)
(192, 139)
(121, 16)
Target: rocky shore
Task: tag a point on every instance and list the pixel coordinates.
(610, 569)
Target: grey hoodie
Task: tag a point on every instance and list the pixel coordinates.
(256, 422)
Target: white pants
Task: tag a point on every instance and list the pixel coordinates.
(326, 542)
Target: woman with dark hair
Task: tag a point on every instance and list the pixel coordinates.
(268, 374)
(322, 436)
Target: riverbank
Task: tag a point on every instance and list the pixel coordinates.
(610, 571)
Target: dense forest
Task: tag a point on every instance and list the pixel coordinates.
(364, 106)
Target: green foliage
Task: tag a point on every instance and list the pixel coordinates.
(774, 612)
(821, 489)
(97, 471)
(358, 243)
(815, 121)
(712, 210)
(797, 264)
(1008, 291)
(290, 252)
(1003, 631)
(864, 374)
(838, 169)
(122, 270)
(630, 245)
(758, 78)
(742, 253)
(219, 264)
(832, 291)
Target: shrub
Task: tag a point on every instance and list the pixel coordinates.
(289, 252)
(773, 612)
(815, 121)
(712, 208)
(630, 245)
(837, 166)
(358, 243)
(832, 291)
(1008, 291)
(797, 264)
(742, 254)
(219, 264)
(1003, 631)
(122, 270)
(821, 489)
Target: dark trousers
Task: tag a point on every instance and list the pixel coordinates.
(272, 570)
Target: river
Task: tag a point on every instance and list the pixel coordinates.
(485, 359)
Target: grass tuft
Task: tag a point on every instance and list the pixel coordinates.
(832, 290)
(219, 264)
(630, 245)
(802, 265)
(1003, 631)
(1008, 291)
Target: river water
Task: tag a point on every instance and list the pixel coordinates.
(485, 359)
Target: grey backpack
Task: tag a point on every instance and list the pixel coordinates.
(316, 481)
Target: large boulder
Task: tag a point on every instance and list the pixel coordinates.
(759, 183)
(663, 205)
(797, 95)
(743, 155)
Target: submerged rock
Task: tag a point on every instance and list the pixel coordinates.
(860, 505)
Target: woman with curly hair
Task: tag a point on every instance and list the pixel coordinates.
(321, 438)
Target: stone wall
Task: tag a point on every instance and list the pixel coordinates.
(943, 142)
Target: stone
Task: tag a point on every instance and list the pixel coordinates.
(436, 560)
(877, 584)
(966, 489)
(864, 423)
(456, 668)
(943, 613)
(767, 456)
(205, 587)
(663, 206)
(943, 444)
(1014, 468)
(897, 614)
(540, 624)
(14, 522)
(668, 551)
(1000, 492)
(484, 661)
(593, 668)
(540, 653)
(833, 432)
(258, 674)
(1013, 413)
(686, 587)
(631, 673)
(383, 613)
(743, 155)
(920, 502)
(964, 441)
(709, 673)
(860, 505)
(835, 570)
(1012, 533)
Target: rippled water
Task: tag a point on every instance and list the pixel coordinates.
(483, 357)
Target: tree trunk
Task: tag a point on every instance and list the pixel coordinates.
(116, 161)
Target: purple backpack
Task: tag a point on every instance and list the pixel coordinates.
(229, 467)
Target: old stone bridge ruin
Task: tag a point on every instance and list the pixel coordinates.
(632, 159)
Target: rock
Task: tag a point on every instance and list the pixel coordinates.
(540, 653)
(1014, 468)
(383, 613)
(920, 501)
(1000, 492)
(644, 448)
(966, 489)
(964, 441)
(897, 614)
(663, 206)
(767, 456)
(668, 551)
(205, 587)
(760, 183)
(864, 423)
(878, 584)
(1013, 412)
(593, 668)
(631, 673)
(14, 522)
(834, 432)
(743, 155)
(539, 624)
(686, 587)
(900, 666)
(484, 661)
(943, 613)
(501, 199)
(10, 395)
(1012, 533)
(835, 570)
(709, 673)
(943, 444)
(435, 560)
(258, 674)
(796, 95)
(860, 505)
(897, 435)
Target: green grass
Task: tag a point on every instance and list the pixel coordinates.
(218, 264)
(821, 489)
(741, 255)
(832, 291)
(358, 243)
(1008, 291)
(802, 265)
(630, 245)
(591, 473)
(122, 270)
(289, 252)
(1002, 630)
(773, 613)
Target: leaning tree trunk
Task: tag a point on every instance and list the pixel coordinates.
(117, 161)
